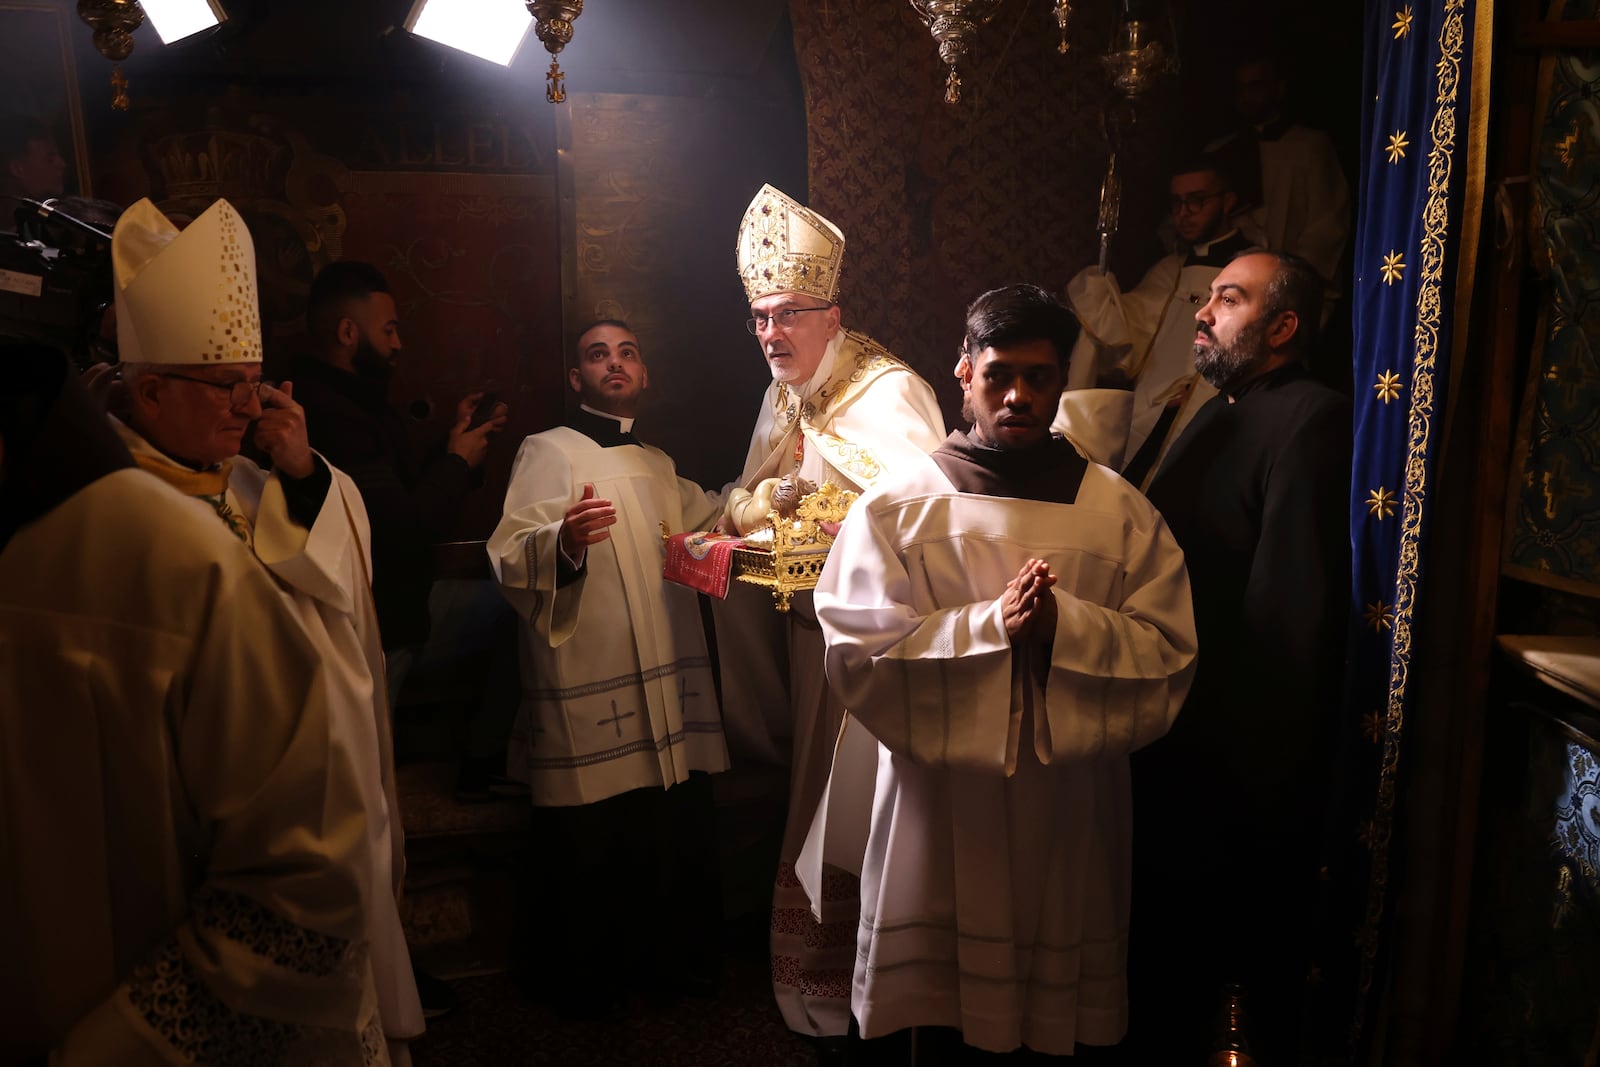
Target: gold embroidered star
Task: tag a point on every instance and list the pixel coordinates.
(1394, 267)
(1402, 22)
(1380, 502)
(1379, 616)
(1397, 146)
(1388, 386)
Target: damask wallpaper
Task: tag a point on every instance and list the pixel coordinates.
(659, 184)
(939, 202)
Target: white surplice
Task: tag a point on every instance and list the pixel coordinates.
(861, 416)
(326, 571)
(994, 882)
(1155, 322)
(618, 692)
(182, 820)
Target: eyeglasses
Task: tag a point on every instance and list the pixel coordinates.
(239, 393)
(782, 319)
(1191, 201)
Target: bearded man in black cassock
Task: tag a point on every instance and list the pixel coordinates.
(1229, 806)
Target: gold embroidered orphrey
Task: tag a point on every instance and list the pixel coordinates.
(859, 363)
(785, 247)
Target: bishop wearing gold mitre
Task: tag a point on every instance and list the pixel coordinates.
(189, 335)
(840, 409)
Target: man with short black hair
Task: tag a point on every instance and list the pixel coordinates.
(34, 167)
(1009, 620)
(1230, 803)
(619, 727)
(412, 500)
(1149, 330)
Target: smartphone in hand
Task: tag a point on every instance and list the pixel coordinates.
(485, 409)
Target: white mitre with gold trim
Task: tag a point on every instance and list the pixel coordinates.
(185, 296)
(785, 247)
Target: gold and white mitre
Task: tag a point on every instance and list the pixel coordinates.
(785, 247)
(185, 296)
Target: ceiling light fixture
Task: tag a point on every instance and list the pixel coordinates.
(489, 29)
(173, 20)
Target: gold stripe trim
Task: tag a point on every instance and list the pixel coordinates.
(1435, 226)
(1473, 194)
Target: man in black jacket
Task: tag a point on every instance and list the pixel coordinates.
(354, 332)
(1228, 806)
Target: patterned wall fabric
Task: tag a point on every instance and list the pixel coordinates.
(939, 202)
(658, 186)
(1554, 530)
(1422, 155)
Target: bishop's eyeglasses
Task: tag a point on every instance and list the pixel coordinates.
(781, 319)
(239, 393)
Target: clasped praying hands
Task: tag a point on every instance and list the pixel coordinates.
(1027, 606)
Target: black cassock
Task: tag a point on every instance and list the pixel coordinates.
(1230, 805)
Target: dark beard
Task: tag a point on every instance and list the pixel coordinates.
(1228, 366)
(369, 364)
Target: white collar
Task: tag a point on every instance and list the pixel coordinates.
(1205, 249)
(627, 424)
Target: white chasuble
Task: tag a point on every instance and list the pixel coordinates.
(617, 686)
(183, 828)
(326, 570)
(994, 881)
(862, 416)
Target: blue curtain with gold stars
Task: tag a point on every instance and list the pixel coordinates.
(1417, 173)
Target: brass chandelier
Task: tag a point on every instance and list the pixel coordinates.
(113, 22)
(954, 25)
(1143, 48)
(552, 22)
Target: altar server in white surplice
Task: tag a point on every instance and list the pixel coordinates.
(618, 727)
(182, 827)
(1009, 620)
(1149, 329)
(189, 335)
(840, 409)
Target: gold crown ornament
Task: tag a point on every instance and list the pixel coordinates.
(785, 247)
(189, 296)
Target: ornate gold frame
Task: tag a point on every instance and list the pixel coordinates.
(799, 545)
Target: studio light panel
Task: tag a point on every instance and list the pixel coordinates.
(174, 20)
(490, 29)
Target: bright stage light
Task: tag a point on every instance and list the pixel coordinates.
(490, 29)
(176, 19)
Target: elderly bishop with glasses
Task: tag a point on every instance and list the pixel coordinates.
(1147, 333)
(189, 337)
(840, 409)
